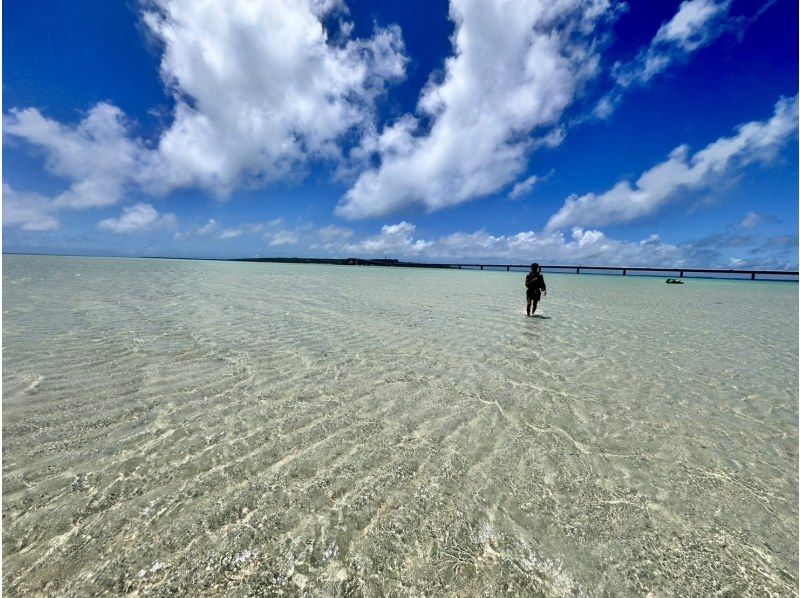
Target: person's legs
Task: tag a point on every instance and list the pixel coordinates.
(534, 301)
(528, 308)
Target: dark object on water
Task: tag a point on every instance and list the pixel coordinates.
(674, 281)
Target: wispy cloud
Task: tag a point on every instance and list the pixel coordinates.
(283, 237)
(523, 187)
(208, 227)
(756, 141)
(230, 233)
(696, 24)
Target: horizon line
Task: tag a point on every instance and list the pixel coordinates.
(390, 262)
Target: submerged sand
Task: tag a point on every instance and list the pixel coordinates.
(202, 428)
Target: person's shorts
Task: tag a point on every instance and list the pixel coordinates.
(533, 294)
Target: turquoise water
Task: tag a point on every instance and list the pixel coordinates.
(224, 428)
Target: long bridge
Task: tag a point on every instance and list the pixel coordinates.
(624, 270)
(681, 272)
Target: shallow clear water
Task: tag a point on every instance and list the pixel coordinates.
(253, 429)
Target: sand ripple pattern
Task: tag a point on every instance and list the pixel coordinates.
(202, 428)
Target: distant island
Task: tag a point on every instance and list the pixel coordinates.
(351, 261)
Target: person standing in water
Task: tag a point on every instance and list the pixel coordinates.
(534, 283)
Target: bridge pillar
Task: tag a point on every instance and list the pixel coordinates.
(681, 276)
(508, 268)
(752, 276)
(624, 272)
(578, 270)
(481, 267)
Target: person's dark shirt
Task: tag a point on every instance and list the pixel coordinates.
(535, 281)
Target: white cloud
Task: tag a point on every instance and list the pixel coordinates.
(393, 239)
(27, 211)
(580, 247)
(283, 237)
(523, 187)
(691, 27)
(696, 24)
(249, 228)
(751, 220)
(260, 88)
(756, 141)
(208, 227)
(515, 69)
(583, 247)
(230, 233)
(96, 155)
(137, 218)
(328, 238)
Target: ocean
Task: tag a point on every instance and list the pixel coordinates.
(176, 427)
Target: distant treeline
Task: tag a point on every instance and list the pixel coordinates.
(353, 261)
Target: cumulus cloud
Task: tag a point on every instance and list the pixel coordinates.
(137, 218)
(260, 88)
(515, 68)
(97, 155)
(27, 211)
(582, 246)
(696, 24)
(393, 239)
(756, 141)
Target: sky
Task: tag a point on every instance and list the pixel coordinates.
(561, 131)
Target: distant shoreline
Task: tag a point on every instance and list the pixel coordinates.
(563, 269)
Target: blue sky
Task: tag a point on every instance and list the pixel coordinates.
(580, 131)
